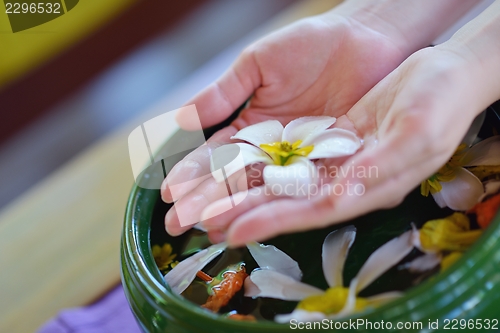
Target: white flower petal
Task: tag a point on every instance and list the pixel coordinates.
(384, 258)
(184, 273)
(335, 249)
(300, 316)
(380, 299)
(424, 263)
(302, 128)
(251, 288)
(331, 143)
(350, 304)
(474, 129)
(265, 132)
(234, 157)
(490, 187)
(486, 152)
(461, 193)
(294, 179)
(269, 283)
(270, 257)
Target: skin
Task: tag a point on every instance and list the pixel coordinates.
(358, 63)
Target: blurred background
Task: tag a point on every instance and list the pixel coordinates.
(68, 82)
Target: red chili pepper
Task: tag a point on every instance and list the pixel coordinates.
(486, 210)
(241, 317)
(222, 293)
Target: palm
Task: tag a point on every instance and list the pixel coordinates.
(313, 67)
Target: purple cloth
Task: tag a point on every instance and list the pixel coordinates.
(111, 314)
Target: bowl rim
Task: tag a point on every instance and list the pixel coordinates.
(412, 298)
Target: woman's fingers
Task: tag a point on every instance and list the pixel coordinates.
(193, 169)
(220, 99)
(188, 210)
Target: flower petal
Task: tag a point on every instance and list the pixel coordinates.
(184, 273)
(300, 316)
(490, 187)
(302, 128)
(269, 283)
(265, 132)
(474, 129)
(384, 258)
(350, 304)
(335, 249)
(234, 157)
(380, 299)
(294, 179)
(461, 193)
(486, 152)
(331, 143)
(425, 263)
(270, 257)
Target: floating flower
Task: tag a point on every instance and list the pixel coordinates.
(266, 256)
(163, 256)
(443, 241)
(288, 151)
(337, 301)
(456, 187)
(452, 233)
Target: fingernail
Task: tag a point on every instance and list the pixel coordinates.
(169, 224)
(217, 236)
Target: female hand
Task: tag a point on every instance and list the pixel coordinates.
(317, 66)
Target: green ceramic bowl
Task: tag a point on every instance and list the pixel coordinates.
(468, 292)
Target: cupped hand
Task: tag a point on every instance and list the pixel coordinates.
(318, 66)
(412, 122)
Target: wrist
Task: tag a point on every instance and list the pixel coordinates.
(409, 25)
(478, 43)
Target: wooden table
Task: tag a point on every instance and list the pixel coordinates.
(59, 242)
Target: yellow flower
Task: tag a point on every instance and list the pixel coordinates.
(332, 301)
(445, 174)
(457, 184)
(281, 152)
(163, 256)
(449, 234)
(450, 259)
(337, 301)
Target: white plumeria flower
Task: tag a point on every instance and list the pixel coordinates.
(266, 256)
(337, 301)
(288, 151)
(454, 186)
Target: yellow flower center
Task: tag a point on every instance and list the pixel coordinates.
(445, 174)
(332, 301)
(449, 234)
(282, 151)
(163, 256)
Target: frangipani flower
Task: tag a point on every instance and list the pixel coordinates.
(288, 151)
(266, 256)
(316, 304)
(456, 187)
(443, 241)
